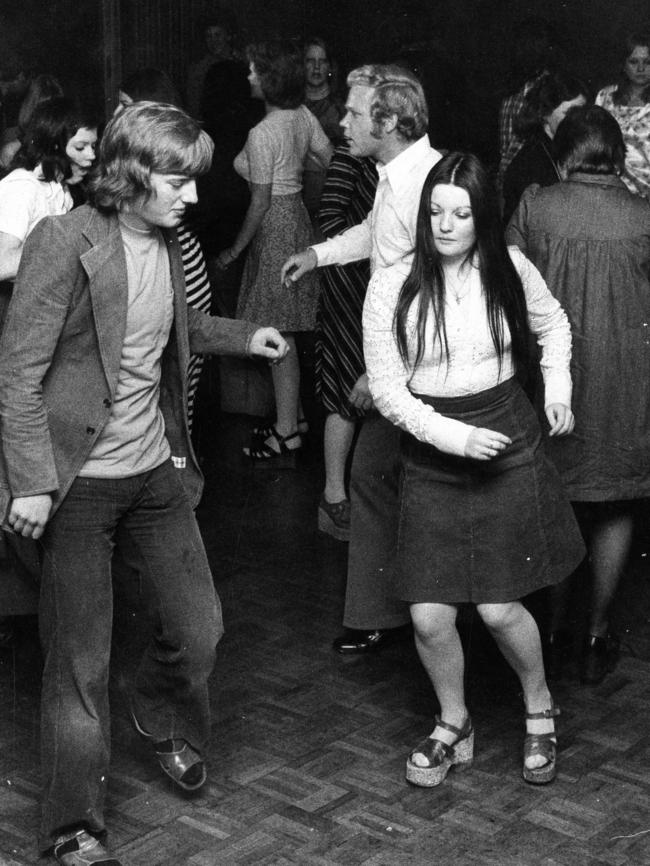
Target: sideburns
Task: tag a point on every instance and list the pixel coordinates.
(377, 128)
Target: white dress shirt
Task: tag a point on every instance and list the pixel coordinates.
(387, 235)
(473, 362)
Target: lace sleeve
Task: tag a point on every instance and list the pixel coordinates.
(389, 375)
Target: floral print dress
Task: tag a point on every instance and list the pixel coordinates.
(635, 126)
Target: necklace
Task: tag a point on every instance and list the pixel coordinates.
(459, 287)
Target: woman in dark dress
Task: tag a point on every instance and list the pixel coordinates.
(347, 198)
(328, 109)
(590, 238)
(483, 517)
(546, 104)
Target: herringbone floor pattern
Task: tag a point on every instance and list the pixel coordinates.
(308, 751)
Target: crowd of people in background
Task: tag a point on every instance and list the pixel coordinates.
(482, 365)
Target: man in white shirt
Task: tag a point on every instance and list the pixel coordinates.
(386, 118)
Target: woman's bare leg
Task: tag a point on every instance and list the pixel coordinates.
(441, 653)
(517, 636)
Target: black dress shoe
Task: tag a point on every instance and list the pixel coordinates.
(599, 658)
(360, 641)
(183, 764)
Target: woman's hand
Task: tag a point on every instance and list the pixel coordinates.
(485, 444)
(561, 419)
(360, 396)
(225, 258)
(268, 343)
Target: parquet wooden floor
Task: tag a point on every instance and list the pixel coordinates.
(308, 751)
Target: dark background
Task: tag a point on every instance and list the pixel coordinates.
(462, 48)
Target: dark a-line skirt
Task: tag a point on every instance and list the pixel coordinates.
(484, 531)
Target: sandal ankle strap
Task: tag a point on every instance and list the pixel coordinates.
(282, 440)
(545, 714)
(460, 732)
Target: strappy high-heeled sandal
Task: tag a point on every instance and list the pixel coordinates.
(265, 428)
(264, 455)
(441, 757)
(544, 745)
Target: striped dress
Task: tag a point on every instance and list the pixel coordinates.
(346, 200)
(198, 292)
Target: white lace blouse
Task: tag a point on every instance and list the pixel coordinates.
(473, 363)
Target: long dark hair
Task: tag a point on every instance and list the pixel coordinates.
(501, 283)
(52, 125)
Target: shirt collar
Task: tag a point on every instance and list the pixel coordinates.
(399, 168)
(596, 179)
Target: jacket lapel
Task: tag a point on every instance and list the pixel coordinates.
(105, 266)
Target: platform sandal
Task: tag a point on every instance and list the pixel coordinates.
(442, 756)
(541, 744)
(264, 456)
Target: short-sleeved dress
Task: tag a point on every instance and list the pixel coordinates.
(590, 238)
(274, 154)
(347, 199)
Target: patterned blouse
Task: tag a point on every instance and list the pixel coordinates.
(473, 364)
(634, 121)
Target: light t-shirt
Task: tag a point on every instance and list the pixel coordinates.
(133, 440)
(276, 149)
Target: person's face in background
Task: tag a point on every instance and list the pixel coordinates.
(253, 80)
(553, 120)
(217, 40)
(123, 99)
(637, 67)
(80, 150)
(452, 222)
(357, 123)
(317, 66)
